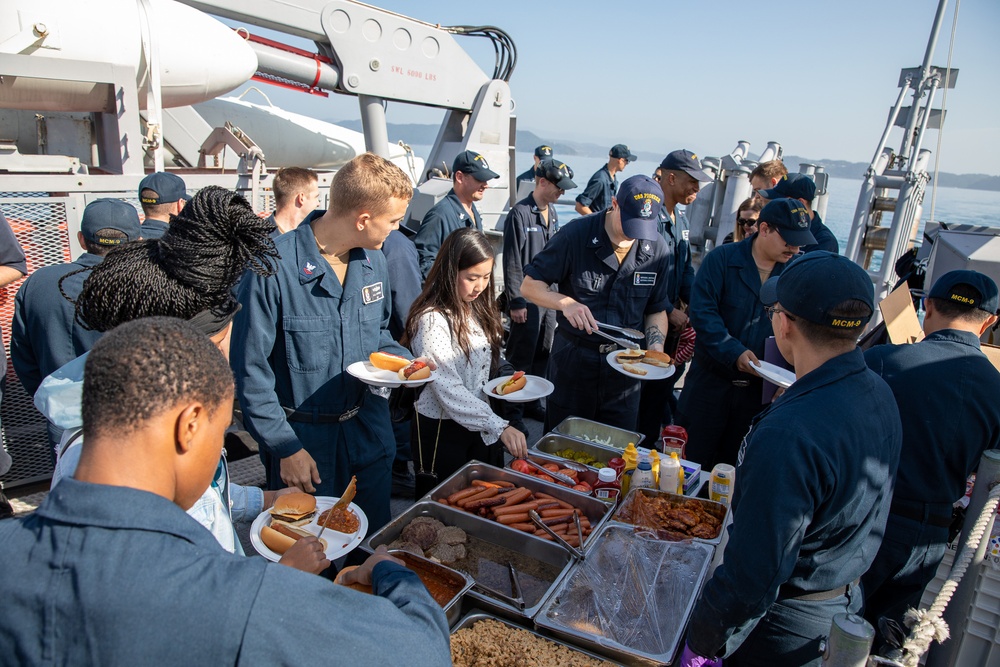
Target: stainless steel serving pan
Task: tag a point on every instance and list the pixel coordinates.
(493, 533)
(623, 515)
(551, 443)
(461, 581)
(631, 599)
(583, 429)
(597, 511)
(476, 615)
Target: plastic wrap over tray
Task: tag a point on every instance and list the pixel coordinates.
(632, 597)
(673, 517)
(475, 615)
(597, 433)
(596, 511)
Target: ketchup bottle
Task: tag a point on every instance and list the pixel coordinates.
(607, 486)
(618, 465)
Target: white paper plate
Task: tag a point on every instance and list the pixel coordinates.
(364, 371)
(535, 388)
(652, 372)
(337, 544)
(775, 374)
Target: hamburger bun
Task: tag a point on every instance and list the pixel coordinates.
(388, 362)
(279, 538)
(629, 356)
(294, 508)
(654, 358)
(634, 369)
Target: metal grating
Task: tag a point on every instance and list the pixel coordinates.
(42, 230)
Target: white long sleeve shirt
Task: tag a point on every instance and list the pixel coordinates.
(457, 390)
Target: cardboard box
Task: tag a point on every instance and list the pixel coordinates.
(901, 323)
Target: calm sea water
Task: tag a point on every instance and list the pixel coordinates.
(953, 205)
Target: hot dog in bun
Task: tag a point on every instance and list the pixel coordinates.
(516, 382)
(388, 362)
(418, 370)
(279, 537)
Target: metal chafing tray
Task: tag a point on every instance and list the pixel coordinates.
(476, 615)
(461, 581)
(551, 443)
(586, 473)
(596, 510)
(631, 599)
(543, 554)
(597, 433)
(625, 513)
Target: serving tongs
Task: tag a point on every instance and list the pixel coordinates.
(625, 331)
(517, 600)
(341, 504)
(559, 477)
(573, 551)
(627, 344)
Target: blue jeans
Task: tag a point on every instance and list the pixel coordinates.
(792, 631)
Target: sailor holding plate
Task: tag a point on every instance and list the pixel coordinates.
(328, 306)
(611, 267)
(813, 484)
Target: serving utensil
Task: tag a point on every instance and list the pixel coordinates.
(625, 331)
(627, 344)
(341, 504)
(574, 552)
(559, 477)
(516, 600)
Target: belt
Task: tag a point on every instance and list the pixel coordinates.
(310, 417)
(789, 592)
(741, 383)
(577, 341)
(908, 512)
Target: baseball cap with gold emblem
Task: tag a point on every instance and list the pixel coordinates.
(686, 161)
(639, 200)
(475, 165)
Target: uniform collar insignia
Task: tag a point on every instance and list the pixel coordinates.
(308, 268)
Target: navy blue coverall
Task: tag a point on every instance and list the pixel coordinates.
(293, 340)
(525, 234)
(441, 220)
(825, 240)
(601, 187)
(812, 495)
(44, 335)
(946, 390)
(718, 401)
(581, 259)
(657, 405)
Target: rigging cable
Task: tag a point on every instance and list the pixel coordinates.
(944, 108)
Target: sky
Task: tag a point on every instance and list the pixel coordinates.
(819, 77)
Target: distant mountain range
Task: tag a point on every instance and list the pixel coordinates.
(424, 134)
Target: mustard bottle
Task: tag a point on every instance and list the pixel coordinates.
(680, 475)
(631, 456)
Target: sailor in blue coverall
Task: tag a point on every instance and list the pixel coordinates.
(813, 484)
(721, 394)
(626, 288)
(946, 389)
(470, 175)
(298, 332)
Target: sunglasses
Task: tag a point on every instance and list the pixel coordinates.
(748, 223)
(771, 310)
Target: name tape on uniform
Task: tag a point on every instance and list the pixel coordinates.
(372, 293)
(644, 278)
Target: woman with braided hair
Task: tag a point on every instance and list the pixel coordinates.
(189, 273)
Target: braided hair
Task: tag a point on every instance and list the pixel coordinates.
(191, 269)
